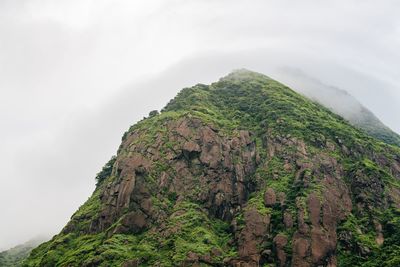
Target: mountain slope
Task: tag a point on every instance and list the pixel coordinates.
(15, 256)
(242, 172)
(344, 104)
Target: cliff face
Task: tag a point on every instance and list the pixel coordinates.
(243, 172)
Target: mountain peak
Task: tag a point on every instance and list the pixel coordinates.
(244, 74)
(242, 172)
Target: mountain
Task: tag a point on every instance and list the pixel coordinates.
(242, 172)
(342, 103)
(15, 256)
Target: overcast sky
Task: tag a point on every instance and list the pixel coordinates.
(75, 74)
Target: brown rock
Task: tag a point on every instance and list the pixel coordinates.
(146, 205)
(280, 242)
(332, 262)
(287, 166)
(301, 250)
(322, 246)
(251, 236)
(287, 219)
(269, 197)
(138, 161)
(314, 208)
(245, 136)
(134, 222)
(191, 146)
(183, 129)
(394, 195)
(330, 146)
(215, 252)
(337, 202)
(164, 180)
(379, 236)
(379, 239)
(211, 155)
(131, 263)
(206, 258)
(302, 226)
(301, 147)
(281, 197)
(191, 256)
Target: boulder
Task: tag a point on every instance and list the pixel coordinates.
(269, 197)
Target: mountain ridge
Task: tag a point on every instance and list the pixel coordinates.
(16, 255)
(342, 103)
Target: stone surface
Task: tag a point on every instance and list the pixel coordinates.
(280, 243)
(251, 237)
(269, 197)
(288, 220)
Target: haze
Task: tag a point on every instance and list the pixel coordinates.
(74, 75)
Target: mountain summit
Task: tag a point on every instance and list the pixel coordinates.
(242, 172)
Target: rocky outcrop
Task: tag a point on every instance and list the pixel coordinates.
(314, 241)
(250, 238)
(269, 197)
(197, 158)
(280, 242)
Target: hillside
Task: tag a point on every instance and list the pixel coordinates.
(242, 172)
(342, 103)
(15, 256)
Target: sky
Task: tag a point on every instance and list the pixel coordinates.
(75, 74)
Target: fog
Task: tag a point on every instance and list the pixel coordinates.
(74, 75)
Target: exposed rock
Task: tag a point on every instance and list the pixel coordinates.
(131, 263)
(133, 222)
(287, 219)
(314, 208)
(302, 226)
(301, 251)
(379, 239)
(280, 243)
(191, 150)
(269, 197)
(367, 188)
(252, 235)
(379, 235)
(322, 245)
(281, 197)
(394, 195)
(191, 146)
(228, 182)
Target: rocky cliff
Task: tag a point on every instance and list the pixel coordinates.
(242, 172)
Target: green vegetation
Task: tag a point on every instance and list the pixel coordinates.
(106, 171)
(190, 231)
(368, 122)
(15, 256)
(360, 248)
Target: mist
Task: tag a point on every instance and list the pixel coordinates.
(74, 75)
